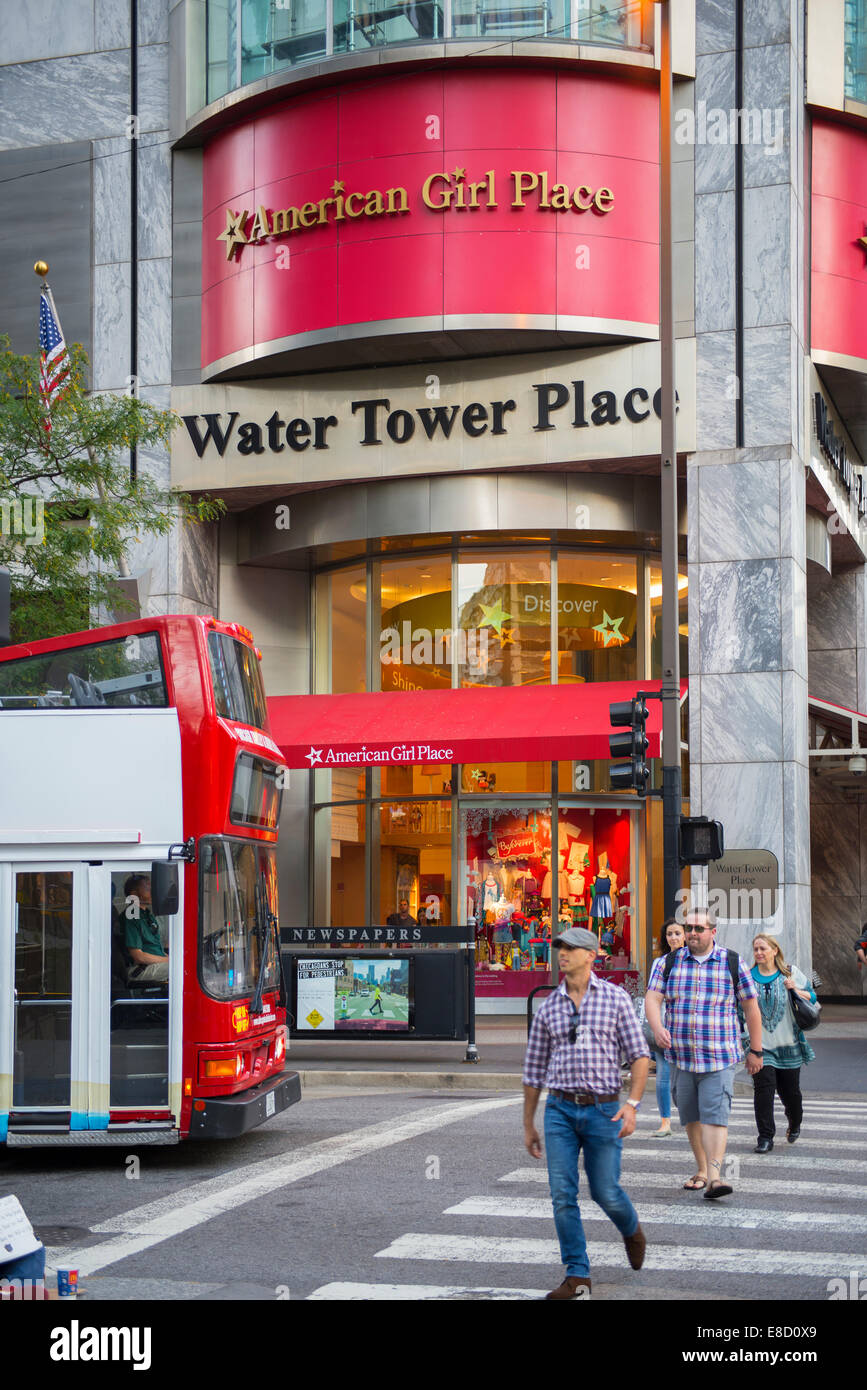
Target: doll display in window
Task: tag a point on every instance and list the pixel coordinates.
(604, 892)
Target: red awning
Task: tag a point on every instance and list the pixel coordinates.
(530, 723)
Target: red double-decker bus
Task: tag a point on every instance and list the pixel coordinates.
(141, 991)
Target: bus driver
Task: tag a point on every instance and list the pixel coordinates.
(142, 934)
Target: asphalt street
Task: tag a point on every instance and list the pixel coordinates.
(432, 1196)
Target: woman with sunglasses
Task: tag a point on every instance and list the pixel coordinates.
(785, 1049)
(671, 938)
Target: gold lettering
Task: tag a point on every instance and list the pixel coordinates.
(560, 197)
(604, 194)
(518, 178)
(349, 209)
(259, 226)
(577, 197)
(492, 188)
(286, 220)
(323, 204)
(543, 202)
(447, 192)
(307, 214)
(373, 203)
(397, 196)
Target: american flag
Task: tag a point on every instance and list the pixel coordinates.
(54, 365)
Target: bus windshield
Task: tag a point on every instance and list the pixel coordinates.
(118, 674)
(238, 910)
(237, 681)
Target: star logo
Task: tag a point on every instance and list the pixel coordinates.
(233, 234)
(494, 617)
(862, 241)
(460, 174)
(338, 186)
(507, 637)
(610, 629)
(314, 756)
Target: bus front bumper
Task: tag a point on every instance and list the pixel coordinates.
(226, 1117)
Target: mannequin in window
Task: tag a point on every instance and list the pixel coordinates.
(604, 889)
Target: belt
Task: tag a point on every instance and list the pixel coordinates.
(585, 1097)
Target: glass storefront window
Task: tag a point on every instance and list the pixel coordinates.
(424, 779)
(597, 612)
(361, 24)
(655, 598)
(601, 21)
(855, 40)
(340, 837)
(481, 18)
(221, 46)
(594, 851)
(416, 642)
(494, 778)
(341, 631)
(504, 612)
(507, 888)
(415, 862)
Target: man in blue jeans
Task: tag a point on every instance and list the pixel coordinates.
(575, 1047)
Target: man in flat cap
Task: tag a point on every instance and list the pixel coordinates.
(575, 1047)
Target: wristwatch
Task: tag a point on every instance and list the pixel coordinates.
(636, 1104)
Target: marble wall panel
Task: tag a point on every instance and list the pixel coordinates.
(748, 799)
(62, 27)
(717, 390)
(695, 708)
(739, 511)
(793, 509)
(833, 677)
(836, 924)
(153, 98)
(740, 616)
(156, 465)
(714, 262)
(832, 612)
(155, 326)
(795, 867)
(63, 99)
(767, 281)
(795, 725)
(693, 475)
(767, 89)
(714, 26)
(111, 24)
(153, 21)
(835, 846)
(111, 210)
(160, 396)
(793, 616)
(767, 386)
(715, 86)
(154, 198)
(111, 317)
(741, 717)
(769, 22)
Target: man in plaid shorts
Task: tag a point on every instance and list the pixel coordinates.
(702, 1041)
(575, 1048)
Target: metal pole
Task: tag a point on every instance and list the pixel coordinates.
(472, 1052)
(671, 780)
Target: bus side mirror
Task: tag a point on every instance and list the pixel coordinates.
(165, 895)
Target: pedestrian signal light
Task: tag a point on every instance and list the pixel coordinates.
(701, 840)
(632, 744)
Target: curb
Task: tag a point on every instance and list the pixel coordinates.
(470, 1080)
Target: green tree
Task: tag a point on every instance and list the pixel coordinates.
(66, 556)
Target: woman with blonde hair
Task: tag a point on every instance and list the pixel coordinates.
(785, 1049)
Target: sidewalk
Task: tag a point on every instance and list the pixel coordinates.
(840, 1068)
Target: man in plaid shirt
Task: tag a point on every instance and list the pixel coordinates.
(575, 1048)
(702, 1041)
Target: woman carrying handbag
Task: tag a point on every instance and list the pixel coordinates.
(785, 1049)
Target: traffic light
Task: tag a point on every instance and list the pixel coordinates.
(631, 715)
(701, 840)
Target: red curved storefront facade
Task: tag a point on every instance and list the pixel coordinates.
(839, 244)
(433, 202)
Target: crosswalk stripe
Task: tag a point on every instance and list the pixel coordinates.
(476, 1249)
(347, 1293)
(748, 1186)
(679, 1141)
(780, 1158)
(539, 1208)
(815, 1124)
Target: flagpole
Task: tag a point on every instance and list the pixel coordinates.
(121, 564)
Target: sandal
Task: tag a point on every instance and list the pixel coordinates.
(696, 1183)
(718, 1189)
